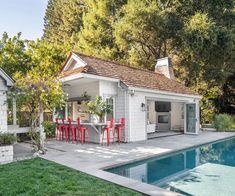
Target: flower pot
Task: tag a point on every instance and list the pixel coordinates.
(94, 118)
(6, 154)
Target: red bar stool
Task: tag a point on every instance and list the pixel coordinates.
(63, 129)
(108, 130)
(73, 129)
(121, 130)
(67, 129)
(60, 129)
(83, 132)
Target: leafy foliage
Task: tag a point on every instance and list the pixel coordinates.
(96, 36)
(49, 128)
(7, 139)
(98, 107)
(13, 55)
(63, 20)
(224, 122)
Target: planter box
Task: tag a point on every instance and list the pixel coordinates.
(6, 154)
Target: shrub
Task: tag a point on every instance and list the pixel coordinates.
(49, 128)
(7, 139)
(224, 122)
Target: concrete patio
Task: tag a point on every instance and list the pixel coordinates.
(92, 158)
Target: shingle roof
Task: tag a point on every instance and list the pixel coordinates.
(130, 76)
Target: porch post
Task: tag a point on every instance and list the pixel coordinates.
(66, 110)
(14, 110)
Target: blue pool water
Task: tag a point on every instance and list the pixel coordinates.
(205, 170)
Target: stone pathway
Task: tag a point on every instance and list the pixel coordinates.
(22, 151)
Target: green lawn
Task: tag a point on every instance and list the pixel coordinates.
(42, 177)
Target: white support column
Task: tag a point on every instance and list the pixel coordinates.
(14, 111)
(66, 110)
(41, 129)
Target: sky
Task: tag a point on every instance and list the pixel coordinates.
(24, 16)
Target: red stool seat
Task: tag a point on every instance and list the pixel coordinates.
(59, 129)
(83, 132)
(121, 130)
(108, 130)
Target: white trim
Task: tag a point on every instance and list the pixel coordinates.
(90, 76)
(100, 77)
(76, 58)
(72, 77)
(164, 92)
(196, 119)
(170, 99)
(105, 97)
(6, 77)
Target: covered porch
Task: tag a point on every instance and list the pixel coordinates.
(82, 90)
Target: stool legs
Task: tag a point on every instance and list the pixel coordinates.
(73, 134)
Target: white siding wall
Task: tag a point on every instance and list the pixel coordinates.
(107, 88)
(122, 109)
(120, 104)
(137, 117)
(3, 106)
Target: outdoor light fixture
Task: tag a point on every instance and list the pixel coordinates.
(132, 92)
(143, 107)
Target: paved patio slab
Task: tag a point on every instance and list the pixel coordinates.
(92, 158)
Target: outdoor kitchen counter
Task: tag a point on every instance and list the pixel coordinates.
(95, 131)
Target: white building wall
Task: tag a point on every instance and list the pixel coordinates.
(120, 104)
(3, 106)
(107, 88)
(137, 117)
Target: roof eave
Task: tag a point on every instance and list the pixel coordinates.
(149, 90)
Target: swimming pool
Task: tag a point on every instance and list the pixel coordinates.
(204, 170)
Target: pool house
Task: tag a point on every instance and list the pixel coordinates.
(153, 103)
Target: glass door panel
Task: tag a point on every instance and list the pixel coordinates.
(190, 118)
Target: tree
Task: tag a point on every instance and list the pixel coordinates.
(96, 37)
(198, 35)
(13, 55)
(37, 92)
(63, 20)
(145, 32)
(46, 57)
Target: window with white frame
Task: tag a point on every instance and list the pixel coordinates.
(110, 101)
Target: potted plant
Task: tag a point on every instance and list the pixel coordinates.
(97, 109)
(6, 147)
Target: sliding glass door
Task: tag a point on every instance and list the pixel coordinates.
(190, 118)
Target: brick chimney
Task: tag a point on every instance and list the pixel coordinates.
(164, 67)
